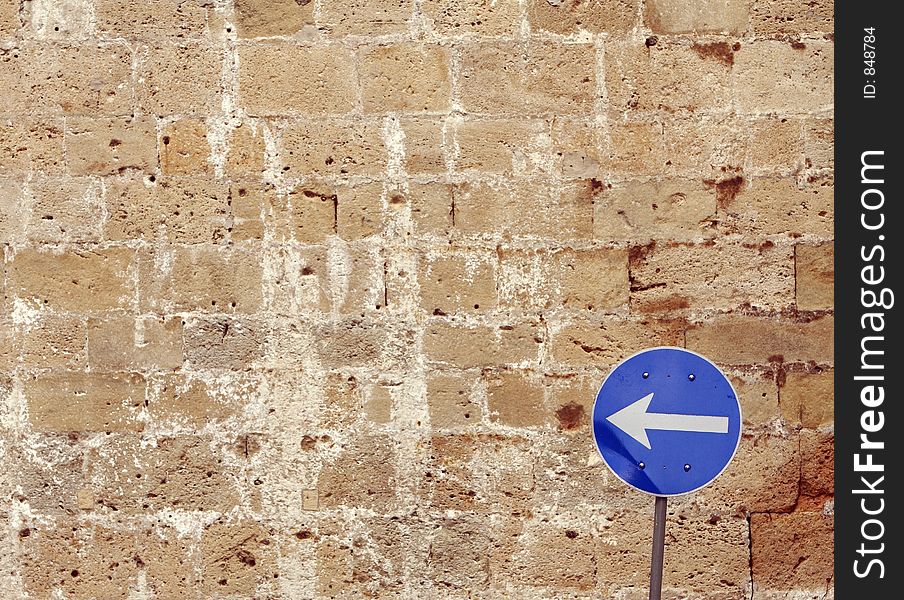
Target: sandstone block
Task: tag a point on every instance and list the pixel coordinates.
(674, 209)
(487, 474)
(776, 144)
(365, 17)
(763, 477)
(458, 552)
(480, 17)
(178, 472)
(28, 146)
(451, 284)
(83, 79)
(151, 19)
(604, 343)
(735, 339)
(451, 402)
(505, 146)
(9, 18)
(539, 209)
(759, 397)
(635, 148)
(773, 76)
(80, 280)
(283, 79)
(85, 561)
(792, 551)
(705, 147)
(362, 475)
(333, 148)
(263, 18)
(238, 557)
(351, 342)
(182, 211)
(134, 344)
(721, 544)
(517, 399)
(12, 219)
(431, 208)
(344, 570)
(568, 17)
(668, 77)
(65, 210)
(424, 146)
(405, 78)
(465, 346)
(110, 146)
(771, 206)
(214, 280)
(593, 280)
(676, 277)
(819, 142)
(184, 149)
(245, 157)
(186, 400)
(815, 270)
(817, 474)
(179, 79)
(307, 214)
(809, 398)
(709, 16)
(545, 78)
(579, 148)
(72, 401)
(526, 558)
(776, 17)
(54, 342)
(359, 211)
(67, 20)
(223, 342)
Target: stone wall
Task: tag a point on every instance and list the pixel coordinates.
(311, 298)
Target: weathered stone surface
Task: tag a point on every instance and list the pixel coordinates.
(809, 398)
(79, 281)
(677, 277)
(604, 343)
(312, 299)
(283, 79)
(544, 78)
(709, 16)
(478, 346)
(473, 17)
(264, 18)
(573, 16)
(73, 401)
(365, 17)
(667, 77)
(753, 340)
(640, 212)
(777, 76)
(184, 149)
(110, 146)
(180, 79)
(792, 551)
(405, 78)
(815, 276)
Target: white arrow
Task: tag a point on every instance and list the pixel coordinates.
(635, 420)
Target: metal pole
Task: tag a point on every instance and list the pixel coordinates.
(659, 512)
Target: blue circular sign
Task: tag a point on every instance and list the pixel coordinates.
(667, 421)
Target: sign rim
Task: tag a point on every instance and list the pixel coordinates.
(730, 385)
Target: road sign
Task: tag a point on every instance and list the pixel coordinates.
(667, 421)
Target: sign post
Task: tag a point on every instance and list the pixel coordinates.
(667, 422)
